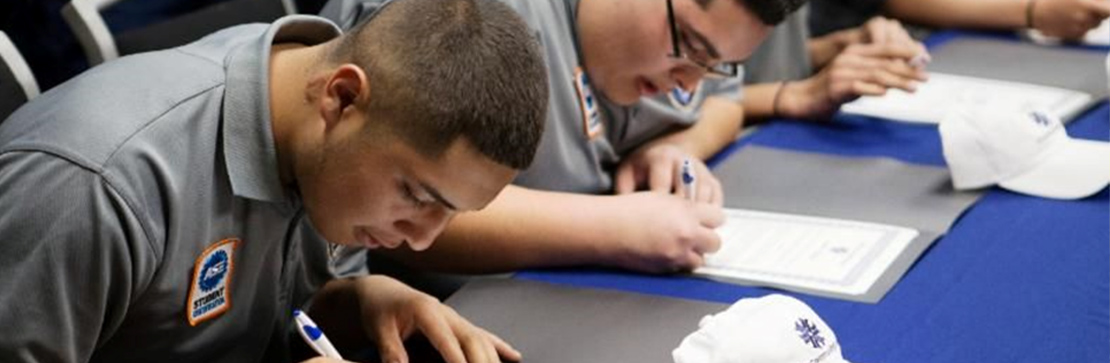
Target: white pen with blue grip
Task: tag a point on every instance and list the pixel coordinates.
(314, 336)
(689, 181)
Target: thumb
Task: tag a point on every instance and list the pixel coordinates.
(390, 346)
(709, 215)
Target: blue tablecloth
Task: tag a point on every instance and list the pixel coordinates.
(1017, 279)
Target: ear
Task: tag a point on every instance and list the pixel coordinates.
(346, 87)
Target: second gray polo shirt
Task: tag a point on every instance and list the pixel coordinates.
(783, 56)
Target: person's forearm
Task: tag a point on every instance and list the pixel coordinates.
(525, 228)
(984, 14)
(720, 123)
(759, 100)
(787, 99)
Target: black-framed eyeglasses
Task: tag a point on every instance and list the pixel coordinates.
(698, 56)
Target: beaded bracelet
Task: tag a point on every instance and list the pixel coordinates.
(1029, 13)
(775, 101)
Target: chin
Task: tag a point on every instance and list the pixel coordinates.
(628, 102)
(331, 236)
(621, 96)
(625, 98)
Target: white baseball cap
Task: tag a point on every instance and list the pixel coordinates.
(1028, 153)
(771, 329)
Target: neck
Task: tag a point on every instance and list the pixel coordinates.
(585, 22)
(290, 67)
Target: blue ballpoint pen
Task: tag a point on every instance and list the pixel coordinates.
(314, 336)
(689, 180)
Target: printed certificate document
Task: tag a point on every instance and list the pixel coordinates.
(945, 92)
(826, 256)
(1100, 35)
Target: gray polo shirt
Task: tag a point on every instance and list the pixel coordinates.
(142, 215)
(581, 146)
(783, 55)
(831, 15)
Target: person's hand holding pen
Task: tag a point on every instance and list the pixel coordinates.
(315, 338)
(659, 168)
(669, 227)
(392, 312)
(389, 312)
(689, 180)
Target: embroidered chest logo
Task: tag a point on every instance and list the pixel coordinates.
(685, 100)
(809, 333)
(591, 117)
(209, 292)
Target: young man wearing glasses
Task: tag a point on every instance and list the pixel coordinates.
(602, 189)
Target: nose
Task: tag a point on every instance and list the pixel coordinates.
(423, 226)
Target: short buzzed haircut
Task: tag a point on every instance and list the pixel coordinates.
(769, 12)
(444, 69)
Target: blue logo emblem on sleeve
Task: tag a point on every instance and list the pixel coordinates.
(209, 293)
(685, 100)
(809, 333)
(682, 96)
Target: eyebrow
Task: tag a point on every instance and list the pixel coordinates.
(709, 48)
(437, 196)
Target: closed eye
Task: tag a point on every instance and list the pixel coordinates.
(411, 197)
(697, 51)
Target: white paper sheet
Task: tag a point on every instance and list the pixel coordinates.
(1098, 36)
(944, 93)
(811, 253)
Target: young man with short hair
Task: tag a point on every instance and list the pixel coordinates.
(177, 205)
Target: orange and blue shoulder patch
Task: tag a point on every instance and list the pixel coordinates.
(591, 117)
(209, 289)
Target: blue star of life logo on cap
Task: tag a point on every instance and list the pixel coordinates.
(1041, 119)
(809, 333)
